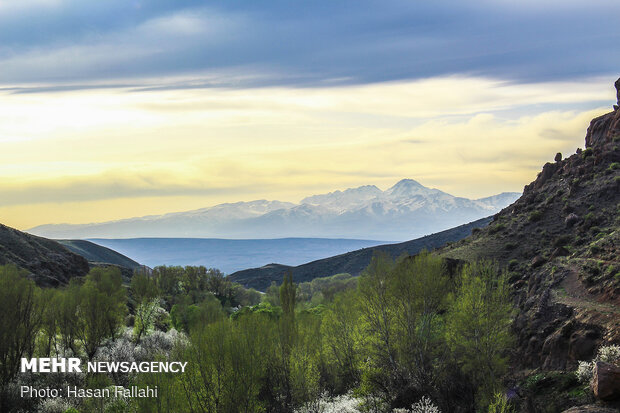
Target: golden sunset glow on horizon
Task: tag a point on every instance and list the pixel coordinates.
(112, 153)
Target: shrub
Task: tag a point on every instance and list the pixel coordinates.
(424, 405)
(513, 264)
(561, 241)
(608, 354)
(500, 404)
(535, 216)
(590, 220)
(55, 405)
(584, 371)
(345, 403)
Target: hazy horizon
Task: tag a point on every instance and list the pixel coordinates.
(295, 201)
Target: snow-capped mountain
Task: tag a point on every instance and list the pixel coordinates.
(404, 211)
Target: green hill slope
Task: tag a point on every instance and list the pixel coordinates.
(49, 263)
(98, 254)
(353, 262)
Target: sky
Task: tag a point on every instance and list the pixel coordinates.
(119, 108)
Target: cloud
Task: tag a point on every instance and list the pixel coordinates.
(307, 43)
(112, 185)
(110, 152)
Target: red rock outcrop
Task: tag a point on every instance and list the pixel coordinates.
(605, 128)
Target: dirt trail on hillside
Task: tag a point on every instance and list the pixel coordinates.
(573, 293)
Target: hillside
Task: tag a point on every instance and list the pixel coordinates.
(48, 262)
(405, 211)
(560, 243)
(98, 254)
(353, 262)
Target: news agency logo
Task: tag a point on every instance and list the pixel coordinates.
(51, 365)
(73, 365)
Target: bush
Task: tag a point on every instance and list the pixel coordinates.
(510, 246)
(500, 404)
(326, 404)
(513, 264)
(562, 240)
(584, 371)
(55, 405)
(535, 216)
(607, 354)
(595, 249)
(424, 405)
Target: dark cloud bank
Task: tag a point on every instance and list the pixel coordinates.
(304, 43)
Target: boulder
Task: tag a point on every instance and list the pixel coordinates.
(571, 219)
(537, 261)
(582, 344)
(601, 128)
(606, 381)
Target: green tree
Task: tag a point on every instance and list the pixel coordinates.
(272, 295)
(20, 320)
(69, 324)
(376, 301)
(102, 307)
(343, 339)
(479, 325)
(421, 288)
(402, 303)
(288, 335)
(50, 320)
(145, 300)
(287, 300)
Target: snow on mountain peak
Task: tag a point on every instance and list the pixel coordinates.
(405, 210)
(408, 188)
(344, 199)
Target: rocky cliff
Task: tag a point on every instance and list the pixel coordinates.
(560, 244)
(605, 128)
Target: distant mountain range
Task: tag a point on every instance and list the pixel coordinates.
(405, 211)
